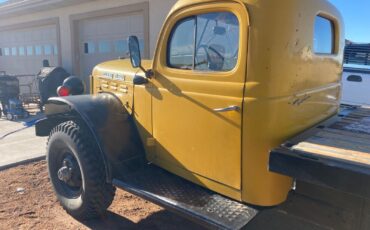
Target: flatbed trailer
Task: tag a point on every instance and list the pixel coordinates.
(335, 153)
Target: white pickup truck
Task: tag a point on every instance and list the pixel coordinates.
(356, 75)
(356, 85)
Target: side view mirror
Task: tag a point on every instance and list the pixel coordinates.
(135, 56)
(134, 48)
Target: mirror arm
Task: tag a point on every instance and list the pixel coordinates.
(148, 73)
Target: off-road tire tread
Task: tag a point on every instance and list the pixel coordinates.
(100, 194)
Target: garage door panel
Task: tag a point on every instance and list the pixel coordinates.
(23, 50)
(135, 23)
(105, 38)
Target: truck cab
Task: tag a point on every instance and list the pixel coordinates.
(229, 82)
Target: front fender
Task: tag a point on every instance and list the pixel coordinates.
(109, 123)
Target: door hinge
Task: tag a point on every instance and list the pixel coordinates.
(150, 142)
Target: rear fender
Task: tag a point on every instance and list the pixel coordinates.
(108, 121)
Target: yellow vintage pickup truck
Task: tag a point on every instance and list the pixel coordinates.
(209, 127)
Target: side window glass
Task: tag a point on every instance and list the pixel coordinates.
(206, 42)
(323, 36)
(217, 43)
(181, 45)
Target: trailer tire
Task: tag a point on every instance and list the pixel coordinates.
(77, 173)
(9, 116)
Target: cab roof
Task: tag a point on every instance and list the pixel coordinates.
(185, 3)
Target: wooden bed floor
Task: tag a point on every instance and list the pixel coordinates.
(346, 139)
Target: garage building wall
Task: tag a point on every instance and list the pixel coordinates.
(157, 9)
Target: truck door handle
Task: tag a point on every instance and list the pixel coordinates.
(227, 109)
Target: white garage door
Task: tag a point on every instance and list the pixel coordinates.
(105, 39)
(22, 51)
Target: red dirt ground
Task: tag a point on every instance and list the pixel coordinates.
(37, 207)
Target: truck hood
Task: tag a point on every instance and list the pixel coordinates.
(116, 77)
(120, 69)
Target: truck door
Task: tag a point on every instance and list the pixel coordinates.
(200, 68)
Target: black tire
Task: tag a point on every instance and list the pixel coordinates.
(85, 195)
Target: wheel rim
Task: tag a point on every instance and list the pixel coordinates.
(9, 117)
(69, 175)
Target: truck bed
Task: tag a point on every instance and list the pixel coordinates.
(335, 153)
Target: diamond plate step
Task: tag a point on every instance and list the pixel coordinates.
(187, 199)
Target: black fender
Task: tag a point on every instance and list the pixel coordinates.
(108, 121)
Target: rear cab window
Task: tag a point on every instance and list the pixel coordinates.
(206, 42)
(324, 36)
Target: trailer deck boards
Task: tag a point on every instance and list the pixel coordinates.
(339, 145)
(347, 139)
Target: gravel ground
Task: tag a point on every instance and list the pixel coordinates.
(28, 202)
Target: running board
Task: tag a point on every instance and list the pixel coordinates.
(187, 199)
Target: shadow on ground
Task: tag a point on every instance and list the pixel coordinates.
(160, 220)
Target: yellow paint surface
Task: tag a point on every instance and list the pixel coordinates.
(280, 84)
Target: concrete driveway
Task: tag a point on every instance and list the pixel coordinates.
(18, 143)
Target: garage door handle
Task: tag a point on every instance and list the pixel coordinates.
(227, 109)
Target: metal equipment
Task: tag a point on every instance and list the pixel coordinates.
(49, 79)
(11, 106)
